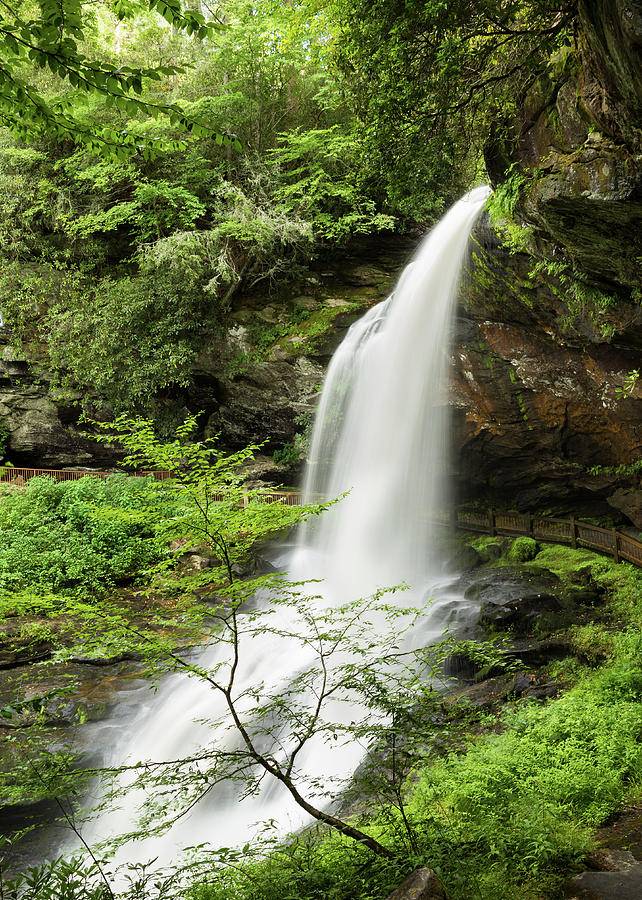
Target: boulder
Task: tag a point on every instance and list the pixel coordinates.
(622, 884)
(520, 613)
(193, 563)
(422, 884)
(515, 597)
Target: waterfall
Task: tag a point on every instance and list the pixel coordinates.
(381, 431)
(380, 435)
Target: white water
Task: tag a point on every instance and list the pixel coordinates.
(381, 433)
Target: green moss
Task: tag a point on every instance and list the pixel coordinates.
(497, 288)
(489, 549)
(297, 335)
(565, 562)
(303, 337)
(480, 349)
(581, 300)
(522, 407)
(522, 549)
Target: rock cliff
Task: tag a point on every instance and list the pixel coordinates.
(550, 325)
(36, 430)
(256, 381)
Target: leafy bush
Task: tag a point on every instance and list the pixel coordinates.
(82, 534)
(127, 338)
(324, 183)
(288, 455)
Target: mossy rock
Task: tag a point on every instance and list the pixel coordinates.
(489, 549)
(523, 549)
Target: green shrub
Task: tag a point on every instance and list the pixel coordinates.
(5, 434)
(489, 549)
(522, 549)
(288, 455)
(88, 533)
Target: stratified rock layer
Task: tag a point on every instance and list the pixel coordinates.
(539, 414)
(547, 336)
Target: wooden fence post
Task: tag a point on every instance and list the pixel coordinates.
(529, 524)
(616, 546)
(245, 498)
(573, 533)
(491, 522)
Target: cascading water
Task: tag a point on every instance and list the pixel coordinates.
(381, 430)
(381, 435)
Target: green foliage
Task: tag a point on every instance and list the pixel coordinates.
(59, 879)
(516, 797)
(36, 632)
(292, 454)
(298, 335)
(434, 82)
(288, 455)
(629, 385)
(86, 534)
(489, 548)
(510, 812)
(54, 36)
(120, 270)
(126, 340)
(156, 208)
(503, 200)
(581, 300)
(324, 175)
(623, 469)
(212, 504)
(5, 434)
(501, 209)
(522, 549)
(593, 641)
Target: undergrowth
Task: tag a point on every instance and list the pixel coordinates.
(85, 534)
(509, 817)
(506, 815)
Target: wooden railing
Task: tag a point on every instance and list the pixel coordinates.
(18, 475)
(572, 532)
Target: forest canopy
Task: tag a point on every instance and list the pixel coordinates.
(159, 159)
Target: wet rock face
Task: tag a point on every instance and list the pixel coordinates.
(578, 145)
(518, 600)
(612, 56)
(546, 337)
(39, 432)
(536, 400)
